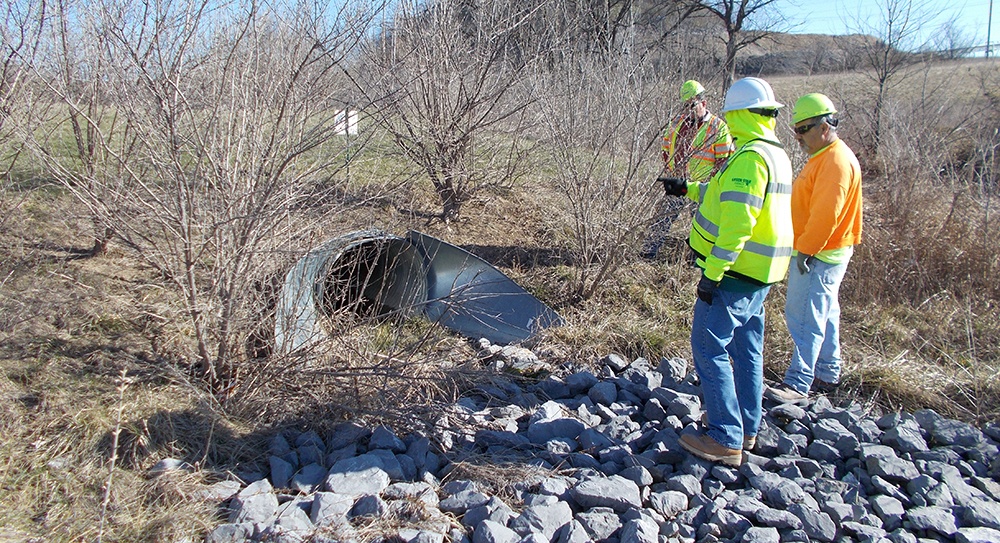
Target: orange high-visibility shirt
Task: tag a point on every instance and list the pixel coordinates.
(826, 201)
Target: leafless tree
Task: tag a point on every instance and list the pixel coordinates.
(601, 132)
(745, 22)
(952, 40)
(214, 123)
(446, 81)
(77, 69)
(896, 26)
(21, 24)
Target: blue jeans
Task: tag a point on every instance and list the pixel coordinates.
(812, 312)
(732, 327)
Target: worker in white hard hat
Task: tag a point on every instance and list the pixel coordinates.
(742, 238)
(696, 145)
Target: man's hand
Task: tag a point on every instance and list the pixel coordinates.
(804, 262)
(706, 289)
(674, 186)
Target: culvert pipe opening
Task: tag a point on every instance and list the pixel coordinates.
(375, 278)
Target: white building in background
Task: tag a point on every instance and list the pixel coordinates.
(346, 122)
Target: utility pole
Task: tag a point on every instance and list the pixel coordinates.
(989, 24)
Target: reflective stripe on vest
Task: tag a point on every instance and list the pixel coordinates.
(765, 256)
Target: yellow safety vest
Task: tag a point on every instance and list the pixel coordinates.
(743, 227)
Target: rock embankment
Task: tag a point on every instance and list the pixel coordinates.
(596, 458)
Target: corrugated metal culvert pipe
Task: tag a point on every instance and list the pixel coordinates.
(376, 274)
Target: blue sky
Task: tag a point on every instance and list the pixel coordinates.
(838, 16)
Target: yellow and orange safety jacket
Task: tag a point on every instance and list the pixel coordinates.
(706, 152)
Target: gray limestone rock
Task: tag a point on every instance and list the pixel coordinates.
(904, 440)
(308, 478)
(218, 492)
(600, 522)
(494, 509)
(581, 382)
(462, 501)
(574, 533)
(756, 534)
(675, 369)
(489, 531)
(329, 509)
(603, 393)
(616, 492)
(982, 513)
(669, 503)
(640, 530)
(384, 438)
(411, 535)
(934, 519)
(255, 503)
(358, 476)
(545, 520)
(977, 535)
(368, 506)
(231, 533)
(291, 517)
(817, 524)
(615, 361)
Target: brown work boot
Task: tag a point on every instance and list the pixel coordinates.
(748, 441)
(785, 394)
(707, 448)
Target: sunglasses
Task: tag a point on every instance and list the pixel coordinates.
(801, 130)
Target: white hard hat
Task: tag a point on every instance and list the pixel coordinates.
(750, 92)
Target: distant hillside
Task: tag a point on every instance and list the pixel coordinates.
(787, 54)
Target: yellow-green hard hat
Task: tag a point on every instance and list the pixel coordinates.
(690, 89)
(812, 105)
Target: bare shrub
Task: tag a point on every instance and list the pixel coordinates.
(20, 34)
(217, 138)
(446, 82)
(929, 207)
(601, 127)
(397, 372)
(744, 22)
(897, 25)
(924, 274)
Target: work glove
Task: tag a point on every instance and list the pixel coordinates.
(706, 289)
(674, 186)
(804, 262)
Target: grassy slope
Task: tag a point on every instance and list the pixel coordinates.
(71, 328)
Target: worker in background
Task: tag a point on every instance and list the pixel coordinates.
(696, 145)
(742, 238)
(826, 214)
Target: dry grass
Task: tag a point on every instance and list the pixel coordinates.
(495, 477)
